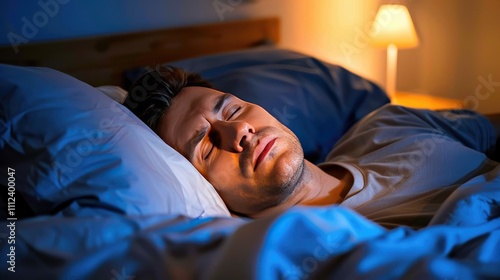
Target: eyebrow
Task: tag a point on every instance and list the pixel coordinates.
(200, 133)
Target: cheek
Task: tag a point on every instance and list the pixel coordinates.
(288, 164)
(223, 173)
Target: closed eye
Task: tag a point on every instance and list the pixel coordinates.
(234, 112)
(214, 138)
(209, 152)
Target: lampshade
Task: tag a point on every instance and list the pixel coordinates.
(393, 25)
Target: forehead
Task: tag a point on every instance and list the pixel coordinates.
(186, 114)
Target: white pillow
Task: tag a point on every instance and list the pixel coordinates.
(69, 145)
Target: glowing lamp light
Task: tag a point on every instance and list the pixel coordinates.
(393, 29)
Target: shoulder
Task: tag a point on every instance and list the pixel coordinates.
(400, 116)
(392, 116)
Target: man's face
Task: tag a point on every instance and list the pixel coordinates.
(252, 160)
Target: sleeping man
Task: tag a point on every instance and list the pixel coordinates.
(388, 166)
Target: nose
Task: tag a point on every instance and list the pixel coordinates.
(232, 136)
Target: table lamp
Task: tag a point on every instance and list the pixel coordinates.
(393, 29)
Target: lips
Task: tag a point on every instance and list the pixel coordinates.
(262, 150)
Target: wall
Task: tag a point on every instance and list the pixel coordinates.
(79, 18)
(457, 56)
(459, 52)
(333, 30)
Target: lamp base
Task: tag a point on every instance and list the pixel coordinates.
(392, 61)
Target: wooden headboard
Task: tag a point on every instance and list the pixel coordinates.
(102, 60)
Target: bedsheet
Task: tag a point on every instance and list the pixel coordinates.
(301, 243)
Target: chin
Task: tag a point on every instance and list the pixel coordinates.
(274, 189)
(286, 173)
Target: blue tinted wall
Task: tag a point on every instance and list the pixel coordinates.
(42, 20)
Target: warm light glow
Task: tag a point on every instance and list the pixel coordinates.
(393, 29)
(393, 25)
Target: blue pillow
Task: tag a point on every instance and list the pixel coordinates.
(318, 101)
(72, 148)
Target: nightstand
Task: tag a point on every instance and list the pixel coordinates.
(426, 101)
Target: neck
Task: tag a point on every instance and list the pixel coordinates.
(326, 186)
(318, 187)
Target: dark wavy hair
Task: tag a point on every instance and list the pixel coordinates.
(153, 92)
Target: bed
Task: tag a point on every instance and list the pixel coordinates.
(90, 192)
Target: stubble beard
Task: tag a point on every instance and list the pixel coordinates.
(281, 187)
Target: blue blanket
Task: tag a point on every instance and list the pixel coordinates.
(462, 242)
